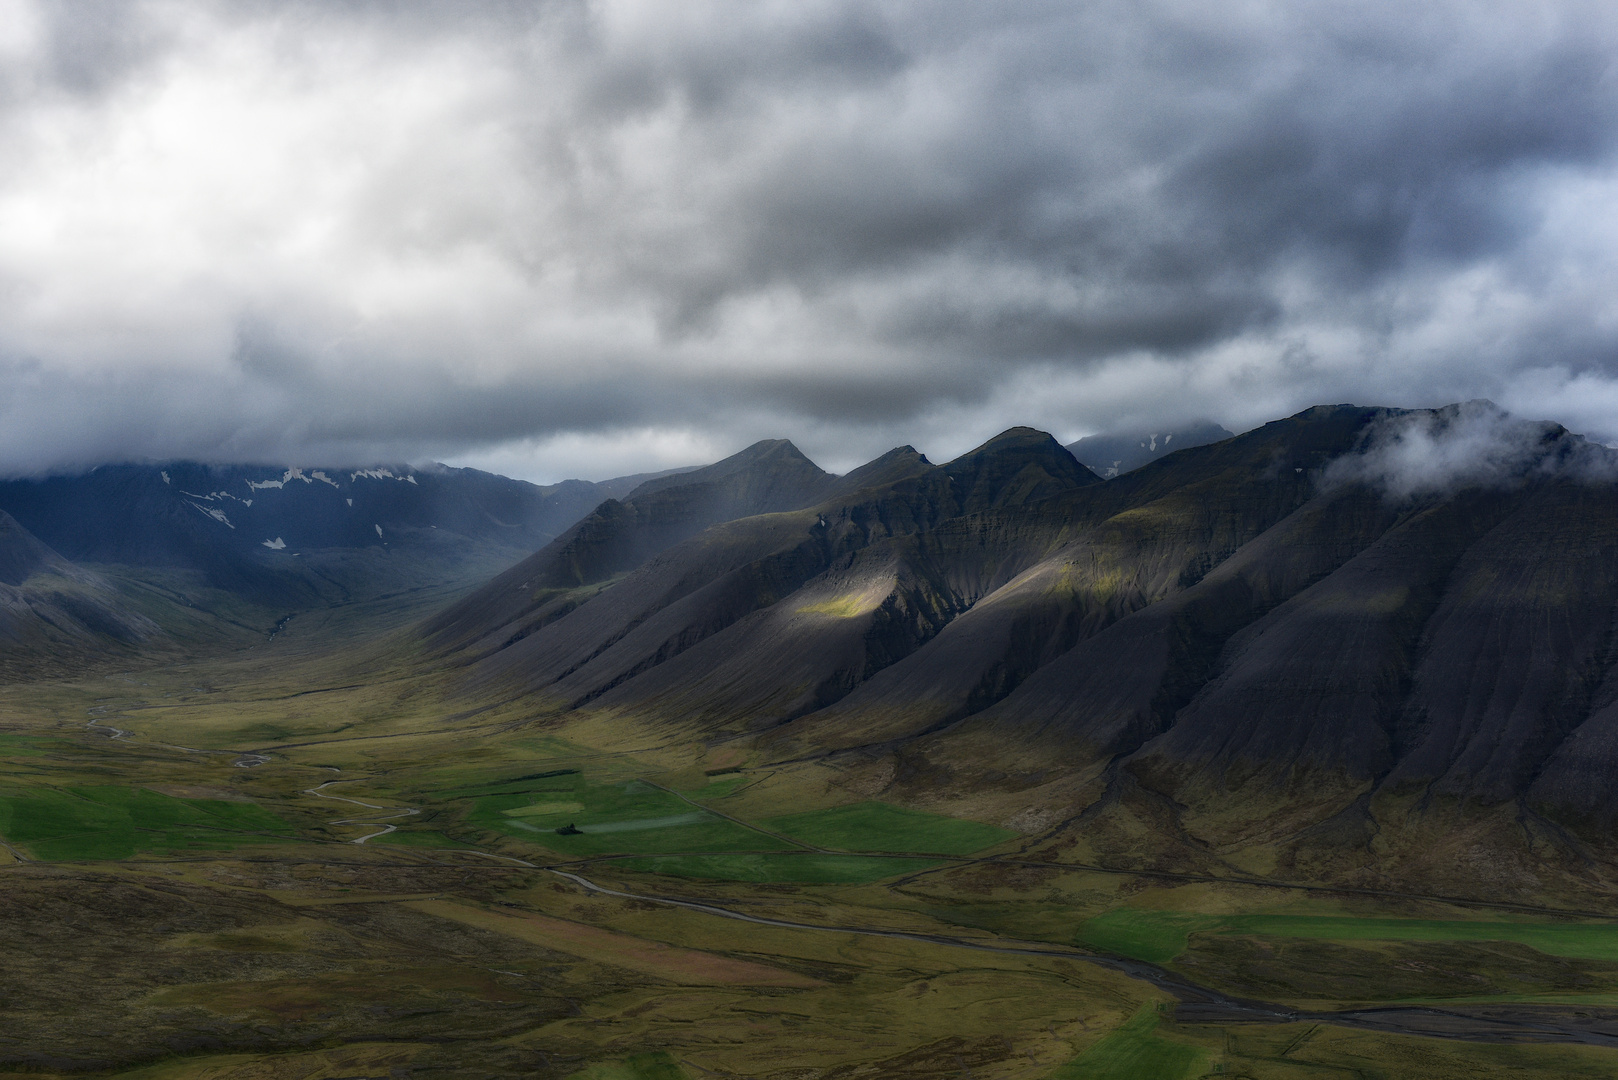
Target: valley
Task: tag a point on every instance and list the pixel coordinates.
(990, 769)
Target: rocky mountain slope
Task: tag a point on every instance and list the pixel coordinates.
(1299, 618)
(618, 536)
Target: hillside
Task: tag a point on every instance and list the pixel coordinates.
(58, 617)
(619, 535)
(1251, 630)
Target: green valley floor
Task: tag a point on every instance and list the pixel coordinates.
(313, 862)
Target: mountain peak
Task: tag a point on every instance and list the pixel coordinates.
(773, 454)
(895, 465)
(1019, 465)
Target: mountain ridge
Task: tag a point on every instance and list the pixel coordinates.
(1234, 617)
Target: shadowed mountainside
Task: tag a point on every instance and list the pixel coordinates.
(619, 535)
(53, 613)
(1233, 627)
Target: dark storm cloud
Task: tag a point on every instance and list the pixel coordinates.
(555, 236)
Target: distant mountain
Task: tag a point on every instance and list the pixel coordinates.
(244, 527)
(1252, 637)
(1115, 453)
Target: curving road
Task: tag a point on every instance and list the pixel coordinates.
(386, 827)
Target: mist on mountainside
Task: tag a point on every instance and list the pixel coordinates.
(1406, 454)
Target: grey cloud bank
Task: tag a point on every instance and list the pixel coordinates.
(579, 238)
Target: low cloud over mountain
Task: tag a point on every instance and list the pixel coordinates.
(555, 239)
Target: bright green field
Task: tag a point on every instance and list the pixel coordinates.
(1135, 1052)
(808, 868)
(15, 746)
(718, 787)
(618, 818)
(876, 826)
(1160, 936)
(117, 822)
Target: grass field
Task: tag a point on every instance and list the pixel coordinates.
(876, 826)
(554, 780)
(107, 822)
(718, 787)
(1160, 936)
(807, 868)
(1153, 936)
(422, 838)
(654, 1066)
(1134, 1051)
(612, 818)
(16, 746)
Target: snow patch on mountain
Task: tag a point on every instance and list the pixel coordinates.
(213, 496)
(314, 476)
(381, 474)
(214, 512)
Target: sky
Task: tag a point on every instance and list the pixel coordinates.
(563, 238)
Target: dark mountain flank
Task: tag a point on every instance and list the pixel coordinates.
(21, 554)
(1276, 633)
(54, 615)
(760, 590)
(619, 535)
